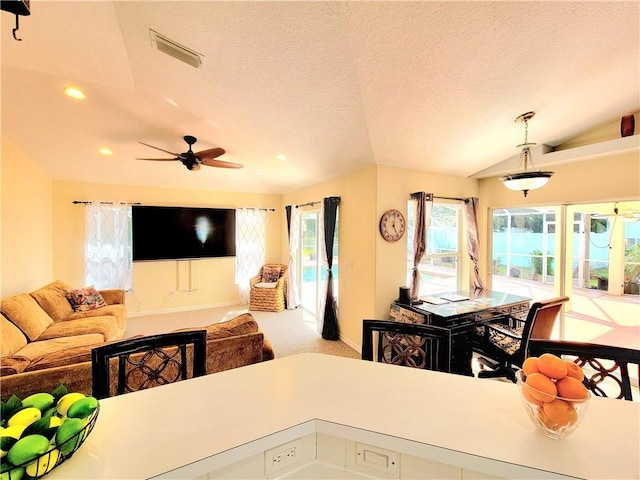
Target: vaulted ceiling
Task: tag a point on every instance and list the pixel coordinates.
(333, 86)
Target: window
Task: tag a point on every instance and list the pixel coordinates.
(440, 267)
(108, 246)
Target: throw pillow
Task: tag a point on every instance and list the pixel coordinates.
(270, 274)
(87, 298)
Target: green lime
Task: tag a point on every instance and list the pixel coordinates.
(13, 473)
(67, 400)
(41, 401)
(69, 435)
(28, 448)
(82, 408)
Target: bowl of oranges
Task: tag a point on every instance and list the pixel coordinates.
(553, 394)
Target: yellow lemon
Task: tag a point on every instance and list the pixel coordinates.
(44, 464)
(67, 400)
(26, 417)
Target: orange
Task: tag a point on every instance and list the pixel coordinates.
(560, 412)
(552, 366)
(574, 370)
(530, 365)
(542, 388)
(526, 392)
(571, 388)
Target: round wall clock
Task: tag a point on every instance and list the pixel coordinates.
(392, 225)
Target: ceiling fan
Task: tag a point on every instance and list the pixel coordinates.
(628, 215)
(192, 160)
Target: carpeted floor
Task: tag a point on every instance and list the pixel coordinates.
(290, 332)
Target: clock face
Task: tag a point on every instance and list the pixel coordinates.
(392, 225)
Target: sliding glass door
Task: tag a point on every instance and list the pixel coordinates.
(588, 252)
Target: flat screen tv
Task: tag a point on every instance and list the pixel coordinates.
(168, 233)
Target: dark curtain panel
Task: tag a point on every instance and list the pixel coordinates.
(287, 209)
(473, 242)
(330, 316)
(419, 240)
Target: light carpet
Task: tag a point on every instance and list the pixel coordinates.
(290, 332)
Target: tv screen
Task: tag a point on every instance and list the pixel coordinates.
(167, 233)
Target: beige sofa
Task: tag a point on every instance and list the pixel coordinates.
(44, 345)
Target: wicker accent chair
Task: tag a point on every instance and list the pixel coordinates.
(268, 289)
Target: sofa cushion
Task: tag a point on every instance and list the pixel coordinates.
(13, 364)
(105, 325)
(244, 323)
(12, 337)
(118, 311)
(53, 299)
(34, 350)
(86, 298)
(25, 312)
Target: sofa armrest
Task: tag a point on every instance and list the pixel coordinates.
(113, 296)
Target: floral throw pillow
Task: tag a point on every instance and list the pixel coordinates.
(270, 274)
(83, 299)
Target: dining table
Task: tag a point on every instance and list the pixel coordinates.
(328, 411)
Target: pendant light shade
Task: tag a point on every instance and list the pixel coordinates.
(527, 179)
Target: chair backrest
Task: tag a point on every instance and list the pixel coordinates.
(409, 344)
(145, 362)
(606, 368)
(540, 321)
(281, 266)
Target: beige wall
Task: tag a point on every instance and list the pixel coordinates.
(27, 224)
(155, 283)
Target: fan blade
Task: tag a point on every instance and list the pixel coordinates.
(221, 164)
(160, 159)
(162, 150)
(209, 154)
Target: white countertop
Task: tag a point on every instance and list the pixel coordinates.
(151, 432)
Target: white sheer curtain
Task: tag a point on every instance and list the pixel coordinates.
(251, 230)
(107, 252)
(293, 294)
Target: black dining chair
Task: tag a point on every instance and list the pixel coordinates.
(408, 344)
(609, 371)
(145, 362)
(502, 344)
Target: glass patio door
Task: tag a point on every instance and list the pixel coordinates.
(310, 261)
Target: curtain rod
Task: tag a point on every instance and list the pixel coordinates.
(307, 204)
(431, 196)
(76, 202)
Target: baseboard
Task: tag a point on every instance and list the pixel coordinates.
(348, 342)
(186, 308)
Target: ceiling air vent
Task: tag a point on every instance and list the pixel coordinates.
(175, 50)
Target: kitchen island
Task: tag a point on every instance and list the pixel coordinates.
(249, 417)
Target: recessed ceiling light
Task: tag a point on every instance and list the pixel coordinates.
(106, 151)
(281, 157)
(74, 92)
(259, 173)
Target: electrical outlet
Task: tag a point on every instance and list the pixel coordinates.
(281, 457)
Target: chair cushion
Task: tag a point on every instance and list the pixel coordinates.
(27, 315)
(266, 284)
(244, 323)
(83, 299)
(12, 337)
(270, 273)
(53, 299)
(503, 341)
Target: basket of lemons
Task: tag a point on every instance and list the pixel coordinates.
(43, 430)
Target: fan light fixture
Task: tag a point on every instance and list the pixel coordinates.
(527, 179)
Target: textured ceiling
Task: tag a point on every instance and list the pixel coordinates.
(334, 86)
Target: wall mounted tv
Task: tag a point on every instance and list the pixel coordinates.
(171, 233)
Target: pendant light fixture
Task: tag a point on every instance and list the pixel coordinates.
(528, 178)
